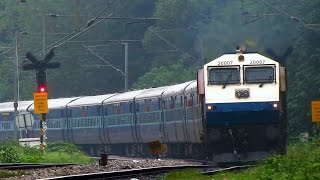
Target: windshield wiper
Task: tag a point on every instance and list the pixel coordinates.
(227, 80)
(270, 78)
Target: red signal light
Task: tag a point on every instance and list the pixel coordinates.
(42, 89)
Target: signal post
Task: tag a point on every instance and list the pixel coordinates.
(40, 97)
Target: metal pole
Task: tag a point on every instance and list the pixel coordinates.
(16, 84)
(200, 49)
(43, 128)
(125, 66)
(43, 36)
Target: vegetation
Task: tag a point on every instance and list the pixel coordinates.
(166, 51)
(8, 174)
(301, 162)
(12, 152)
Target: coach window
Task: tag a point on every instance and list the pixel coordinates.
(84, 111)
(147, 104)
(99, 110)
(177, 101)
(117, 108)
(131, 107)
(137, 106)
(159, 103)
(154, 104)
(223, 75)
(189, 100)
(168, 103)
(106, 110)
(259, 74)
(171, 103)
(5, 116)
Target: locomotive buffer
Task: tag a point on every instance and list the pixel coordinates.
(41, 95)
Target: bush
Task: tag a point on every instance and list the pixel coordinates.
(12, 152)
(30, 154)
(302, 161)
(9, 152)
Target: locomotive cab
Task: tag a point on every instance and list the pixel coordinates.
(243, 104)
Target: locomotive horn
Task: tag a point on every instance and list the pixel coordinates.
(241, 48)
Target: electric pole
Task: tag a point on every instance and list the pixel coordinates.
(16, 84)
(125, 67)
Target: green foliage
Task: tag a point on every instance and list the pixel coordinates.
(9, 152)
(301, 162)
(62, 157)
(12, 152)
(30, 154)
(186, 174)
(61, 152)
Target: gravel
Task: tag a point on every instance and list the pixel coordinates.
(113, 165)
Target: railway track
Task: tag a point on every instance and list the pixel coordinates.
(25, 166)
(147, 172)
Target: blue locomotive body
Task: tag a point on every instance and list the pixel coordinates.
(242, 113)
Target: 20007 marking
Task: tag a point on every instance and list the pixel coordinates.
(257, 61)
(223, 63)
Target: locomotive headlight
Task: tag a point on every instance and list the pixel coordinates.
(240, 58)
(275, 105)
(242, 93)
(238, 94)
(211, 107)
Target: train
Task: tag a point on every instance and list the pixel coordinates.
(235, 111)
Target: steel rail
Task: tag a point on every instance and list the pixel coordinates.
(131, 172)
(19, 166)
(233, 168)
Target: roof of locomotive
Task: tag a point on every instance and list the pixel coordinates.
(177, 89)
(8, 106)
(126, 96)
(58, 103)
(90, 100)
(234, 57)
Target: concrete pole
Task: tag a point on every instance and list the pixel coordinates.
(125, 66)
(43, 35)
(200, 49)
(16, 84)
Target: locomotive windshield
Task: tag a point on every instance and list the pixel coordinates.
(259, 74)
(224, 76)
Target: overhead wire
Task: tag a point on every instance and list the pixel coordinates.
(113, 67)
(70, 36)
(297, 19)
(172, 45)
(6, 51)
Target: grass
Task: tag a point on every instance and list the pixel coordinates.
(12, 152)
(186, 174)
(302, 161)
